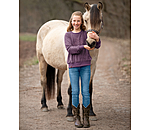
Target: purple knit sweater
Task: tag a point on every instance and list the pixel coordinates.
(77, 55)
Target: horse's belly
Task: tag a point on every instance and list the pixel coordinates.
(54, 53)
(58, 65)
(55, 57)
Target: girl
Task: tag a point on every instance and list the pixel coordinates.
(79, 61)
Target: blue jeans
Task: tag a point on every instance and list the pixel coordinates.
(84, 73)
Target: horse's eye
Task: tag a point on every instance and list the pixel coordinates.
(85, 21)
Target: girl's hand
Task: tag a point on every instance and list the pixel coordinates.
(93, 35)
(88, 48)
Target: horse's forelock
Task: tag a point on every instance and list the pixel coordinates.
(94, 16)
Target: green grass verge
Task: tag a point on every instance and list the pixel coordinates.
(27, 37)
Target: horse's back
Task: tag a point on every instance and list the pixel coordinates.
(50, 43)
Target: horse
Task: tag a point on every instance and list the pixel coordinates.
(52, 55)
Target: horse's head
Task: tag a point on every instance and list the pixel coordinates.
(93, 20)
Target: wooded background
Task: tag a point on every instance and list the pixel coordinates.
(116, 14)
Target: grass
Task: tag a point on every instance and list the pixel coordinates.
(124, 59)
(126, 66)
(27, 37)
(32, 61)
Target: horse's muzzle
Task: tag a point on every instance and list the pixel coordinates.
(91, 45)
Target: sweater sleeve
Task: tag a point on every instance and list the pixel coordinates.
(70, 48)
(98, 44)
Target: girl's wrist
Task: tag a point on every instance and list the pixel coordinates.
(97, 40)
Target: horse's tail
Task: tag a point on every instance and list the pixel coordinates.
(50, 74)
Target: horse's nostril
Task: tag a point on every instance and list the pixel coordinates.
(93, 44)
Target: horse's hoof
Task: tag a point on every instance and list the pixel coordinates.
(70, 118)
(93, 118)
(61, 107)
(44, 109)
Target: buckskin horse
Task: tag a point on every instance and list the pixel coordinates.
(52, 54)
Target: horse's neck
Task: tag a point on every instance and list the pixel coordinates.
(94, 54)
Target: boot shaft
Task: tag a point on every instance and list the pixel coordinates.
(86, 110)
(76, 111)
(85, 116)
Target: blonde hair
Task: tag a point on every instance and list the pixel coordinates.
(70, 27)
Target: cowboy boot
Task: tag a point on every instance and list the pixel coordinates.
(85, 116)
(77, 117)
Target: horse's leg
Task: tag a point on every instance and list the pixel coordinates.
(92, 115)
(43, 69)
(44, 107)
(59, 97)
(69, 108)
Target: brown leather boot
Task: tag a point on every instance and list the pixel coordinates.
(85, 116)
(77, 117)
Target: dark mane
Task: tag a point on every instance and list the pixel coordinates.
(94, 16)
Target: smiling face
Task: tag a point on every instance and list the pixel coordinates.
(76, 23)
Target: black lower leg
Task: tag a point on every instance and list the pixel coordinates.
(43, 100)
(91, 107)
(69, 108)
(59, 99)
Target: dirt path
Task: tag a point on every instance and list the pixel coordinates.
(111, 94)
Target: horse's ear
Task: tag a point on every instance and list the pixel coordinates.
(100, 5)
(87, 6)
